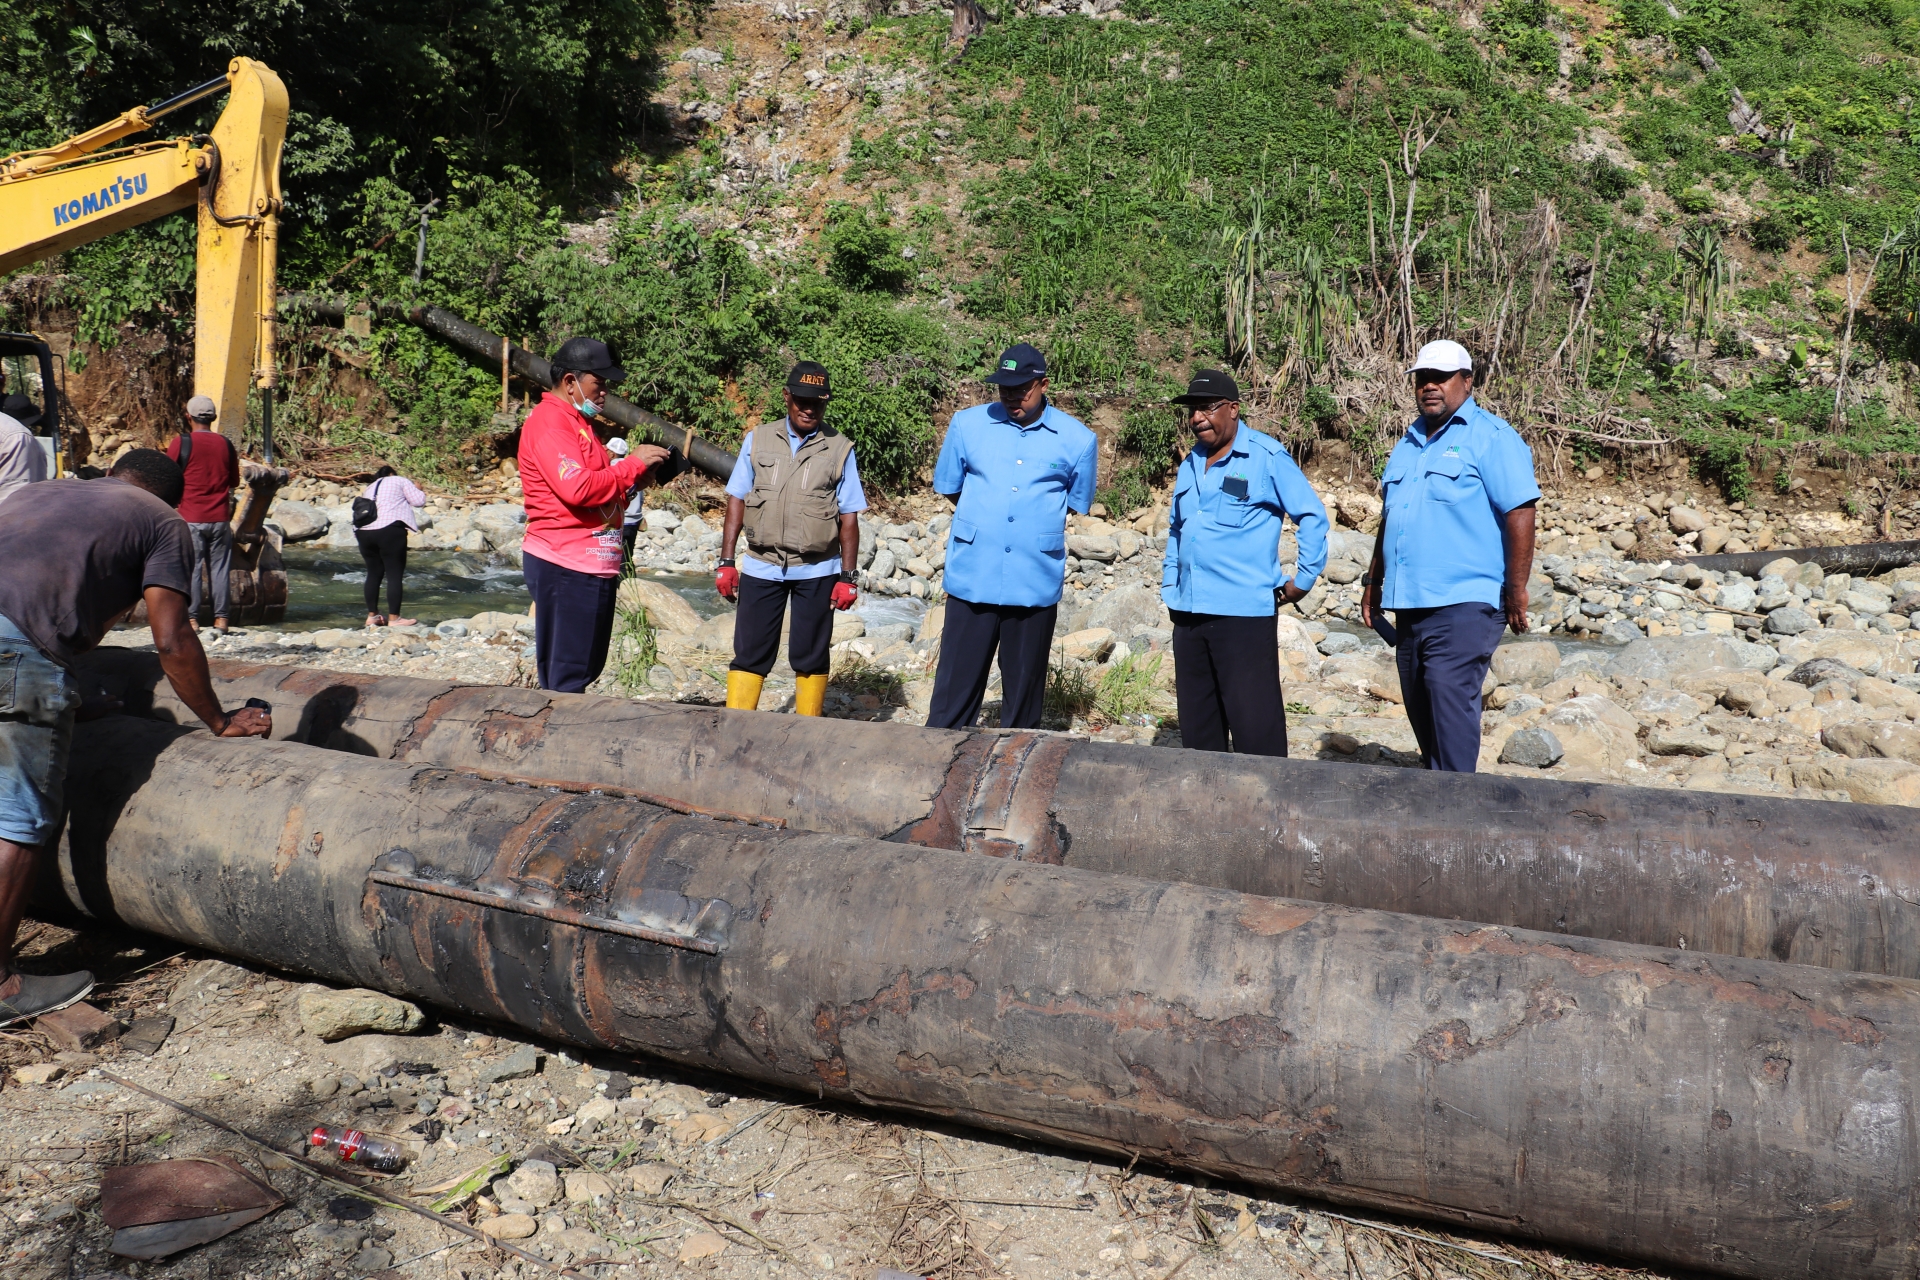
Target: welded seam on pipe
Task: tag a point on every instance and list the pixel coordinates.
(558, 915)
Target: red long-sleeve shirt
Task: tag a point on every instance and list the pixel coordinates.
(574, 492)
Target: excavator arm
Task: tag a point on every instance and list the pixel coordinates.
(84, 188)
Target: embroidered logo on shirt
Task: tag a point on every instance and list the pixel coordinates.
(569, 468)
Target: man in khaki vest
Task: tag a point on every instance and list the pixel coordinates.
(796, 492)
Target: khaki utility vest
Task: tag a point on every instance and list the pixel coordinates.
(793, 513)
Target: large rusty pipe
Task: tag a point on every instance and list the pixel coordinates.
(1835, 885)
(1740, 1116)
(702, 453)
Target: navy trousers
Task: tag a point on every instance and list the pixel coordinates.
(1227, 683)
(969, 635)
(756, 625)
(1443, 657)
(572, 623)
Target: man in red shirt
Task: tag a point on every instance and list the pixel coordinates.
(212, 468)
(575, 495)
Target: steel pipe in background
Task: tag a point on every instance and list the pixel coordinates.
(1834, 885)
(704, 454)
(1739, 1116)
(1862, 559)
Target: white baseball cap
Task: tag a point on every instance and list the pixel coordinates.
(617, 447)
(1443, 356)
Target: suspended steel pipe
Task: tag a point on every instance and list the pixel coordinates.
(1736, 1116)
(1834, 885)
(704, 454)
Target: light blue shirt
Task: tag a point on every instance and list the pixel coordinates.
(1446, 499)
(1008, 544)
(1223, 534)
(850, 495)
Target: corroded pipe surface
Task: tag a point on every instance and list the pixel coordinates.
(1834, 885)
(1862, 559)
(1740, 1116)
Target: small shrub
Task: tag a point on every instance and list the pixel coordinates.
(1724, 463)
(1609, 180)
(1070, 694)
(1694, 200)
(1320, 408)
(864, 253)
(636, 648)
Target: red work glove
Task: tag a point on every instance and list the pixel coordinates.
(727, 582)
(844, 595)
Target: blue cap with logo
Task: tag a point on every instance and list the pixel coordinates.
(1019, 364)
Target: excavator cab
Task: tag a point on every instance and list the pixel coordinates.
(30, 394)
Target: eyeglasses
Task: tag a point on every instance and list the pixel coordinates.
(1211, 409)
(1425, 377)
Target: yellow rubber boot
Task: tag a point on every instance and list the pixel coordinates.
(809, 695)
(743, 690)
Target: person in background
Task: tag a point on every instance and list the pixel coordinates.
(796, 491)
(212, 468)
(22, 460)
(383, 542)
(80, 554)
(1012, 469)
(636, 505)
(575, 495)
(1454, 552)
(1222, 579)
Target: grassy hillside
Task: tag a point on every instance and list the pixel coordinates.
(1304, 190)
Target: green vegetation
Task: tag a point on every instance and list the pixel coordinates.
(635, 648)
(1300, 191)
(1126, 694)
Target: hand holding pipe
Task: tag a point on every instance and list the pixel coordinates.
(708, 457)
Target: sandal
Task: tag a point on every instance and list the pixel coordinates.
(376, 619)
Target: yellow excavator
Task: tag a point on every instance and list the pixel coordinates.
(89, 186)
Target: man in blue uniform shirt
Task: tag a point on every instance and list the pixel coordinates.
(1222, 579)
(1454, 553)
(1012, 470)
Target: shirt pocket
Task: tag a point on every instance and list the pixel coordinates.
(963, 531)
(1444, 483)
(1233, 513)
(1051, 543)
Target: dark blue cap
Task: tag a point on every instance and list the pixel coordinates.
(1019, 365)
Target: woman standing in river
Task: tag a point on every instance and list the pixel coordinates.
(383, 541)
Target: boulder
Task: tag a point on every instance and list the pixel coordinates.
(1091, 645)
(500, 521)
(1814, 671)
(1870, 780)
(1339, 642)
(1791, 620)
(1124, 609)
(1526, 662)
(1685, 520)
(335, 1015)
(1094, 547)
(1532, 748)
(715, 634)
(1736, 595)
(300, 522)
(666, 609)
(1864, 603)
(1684, 740)
(1596, 734)
(1882, 739)
(1342, 572)
(1784, 567)
(1713, 538)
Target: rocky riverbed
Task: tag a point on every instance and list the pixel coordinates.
(1643, 670)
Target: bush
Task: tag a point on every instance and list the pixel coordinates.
(1609, 180)
(1772, 232)
(1153, 435)
(1320, 408)
(1724, 462)
(863, 252)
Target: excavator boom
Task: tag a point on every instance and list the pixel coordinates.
(76, 192)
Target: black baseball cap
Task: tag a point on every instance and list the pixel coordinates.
(1019, 364)
(587, 355)
(21, 410)
(1208, 386)
(809, 381)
